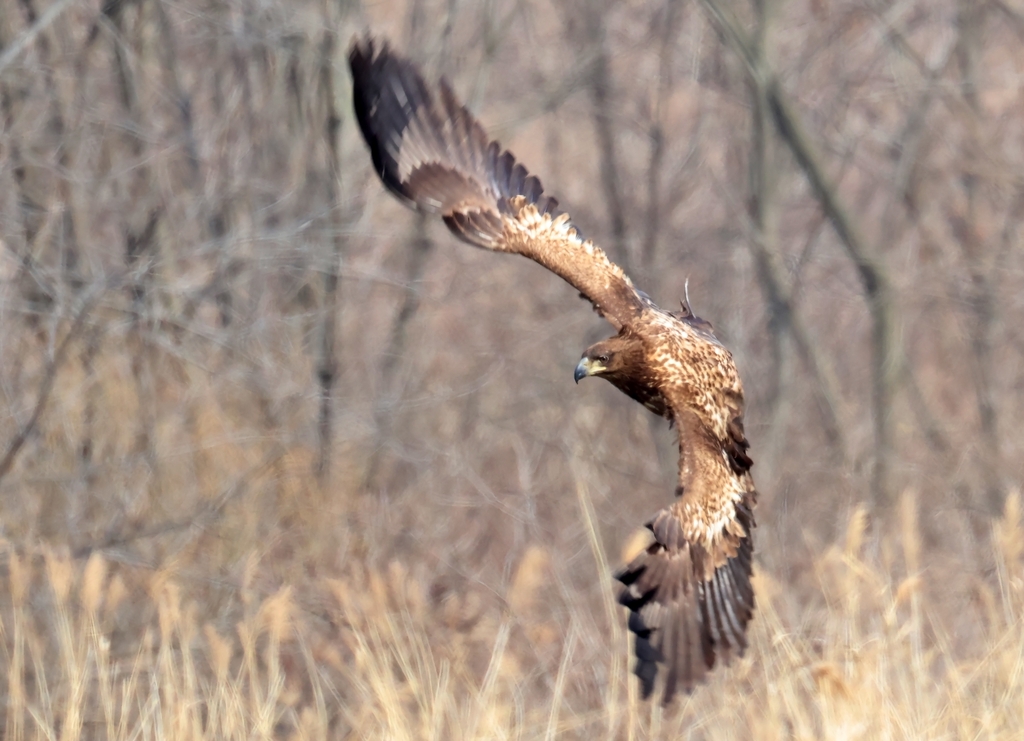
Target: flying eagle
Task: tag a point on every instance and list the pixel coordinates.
(689, 592)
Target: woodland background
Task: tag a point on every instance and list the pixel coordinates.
(281, 458)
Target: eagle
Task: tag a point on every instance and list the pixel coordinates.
(689, 592)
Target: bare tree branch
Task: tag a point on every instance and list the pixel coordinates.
(783, 319)
(197, 520)
(667, 21)
(420, 249)
(968, 233)
(20, 44)
(327, 363)
(601, 96)
(47, 383)
(870, 268)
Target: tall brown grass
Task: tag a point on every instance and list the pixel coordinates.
(873, 659)
(279, 459)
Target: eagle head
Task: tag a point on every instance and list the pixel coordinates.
(602, 359)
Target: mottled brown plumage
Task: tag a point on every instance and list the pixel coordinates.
(689, 593)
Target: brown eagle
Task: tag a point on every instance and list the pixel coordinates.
(689, 592)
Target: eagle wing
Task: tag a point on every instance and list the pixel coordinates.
(436, 157)
(689, 592)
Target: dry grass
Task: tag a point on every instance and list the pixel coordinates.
(185, 552)
(873, 660)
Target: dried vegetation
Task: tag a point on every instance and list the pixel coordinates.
(280, 459)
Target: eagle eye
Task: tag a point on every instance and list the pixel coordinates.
(603, 358)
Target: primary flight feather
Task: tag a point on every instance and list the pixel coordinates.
(689, 592)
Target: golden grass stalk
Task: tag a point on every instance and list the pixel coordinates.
(875, 659)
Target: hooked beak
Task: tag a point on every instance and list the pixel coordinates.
(586, 367)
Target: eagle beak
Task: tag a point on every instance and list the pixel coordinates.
(586, 367)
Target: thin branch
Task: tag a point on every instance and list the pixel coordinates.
(20, 44)
(1015, 16)
(656, 132)
(982, 296)
(600, 84)
(421, 248)
(198, 520)
(46, 387)
(781, 296)
(871, 270)
(327, 370)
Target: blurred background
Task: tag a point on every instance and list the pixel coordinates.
(231, 363)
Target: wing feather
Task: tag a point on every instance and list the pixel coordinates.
(689, 592)
(436, 157)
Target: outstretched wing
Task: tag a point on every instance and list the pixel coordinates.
(436, 157)
(689, 592)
